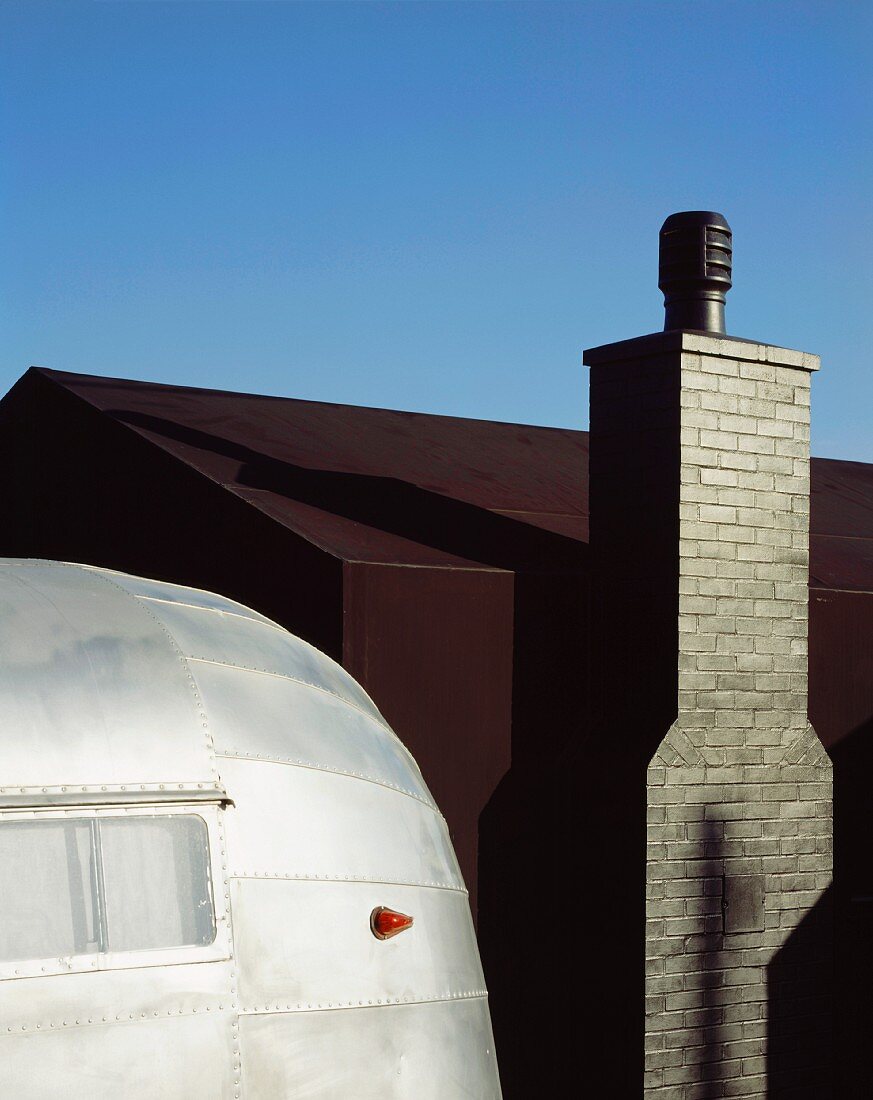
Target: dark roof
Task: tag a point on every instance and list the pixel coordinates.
(841, 525)
(386, 486)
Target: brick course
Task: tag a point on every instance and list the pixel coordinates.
(740, 784)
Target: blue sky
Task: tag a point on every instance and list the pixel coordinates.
(428, 206)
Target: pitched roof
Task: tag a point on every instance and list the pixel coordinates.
(410, 488)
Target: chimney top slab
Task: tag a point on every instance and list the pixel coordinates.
(700, 343)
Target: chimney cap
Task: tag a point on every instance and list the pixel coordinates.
(694, 269)
(696, 217)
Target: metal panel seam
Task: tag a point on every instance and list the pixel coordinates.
(318, 653)
(198, 701)
(236, 1046)
(287, 876)
(120, 1017)
(113, 794)
(209, 610)
(432, 806)
(102, 569)
(265, 758)
(306, 683)
(385, 1002)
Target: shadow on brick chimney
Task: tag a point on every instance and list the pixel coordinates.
(802, 1026)
(705, 992)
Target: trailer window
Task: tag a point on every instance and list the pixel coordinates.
(156, 882)
(79, 886)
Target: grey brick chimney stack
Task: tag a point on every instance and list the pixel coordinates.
(699, 483)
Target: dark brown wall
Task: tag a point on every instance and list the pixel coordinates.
(841, 709)
(840, 664)
(434, 649)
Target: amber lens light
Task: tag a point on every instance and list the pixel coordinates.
(385, 923)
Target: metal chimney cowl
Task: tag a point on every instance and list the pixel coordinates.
(694, 270)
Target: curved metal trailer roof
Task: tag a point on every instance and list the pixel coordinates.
(121, 696)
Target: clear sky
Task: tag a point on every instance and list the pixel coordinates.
(428, 206)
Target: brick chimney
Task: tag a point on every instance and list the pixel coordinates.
(699, 483)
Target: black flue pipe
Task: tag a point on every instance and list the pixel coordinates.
(694, 270)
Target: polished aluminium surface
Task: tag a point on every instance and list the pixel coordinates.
(132, 696)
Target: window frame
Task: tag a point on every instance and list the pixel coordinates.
(219, 949)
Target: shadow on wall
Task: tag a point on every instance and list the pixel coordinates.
(572, 970)
(529, 906)
(853, 912)
(841, 709)
(800, 1062)
(821, 982)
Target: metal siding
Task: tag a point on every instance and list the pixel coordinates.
(233, 640)
(181, 1058)
(380, 1053)
(92, 690)
(308, 945)
(165, 592)
(301, 822)
(275, 718)
(45, 1004)
(171, 1030)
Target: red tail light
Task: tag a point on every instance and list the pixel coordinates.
(385, 923)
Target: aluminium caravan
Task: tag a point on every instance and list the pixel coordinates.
(222, 874)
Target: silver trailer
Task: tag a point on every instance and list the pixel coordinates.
(208, 838)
